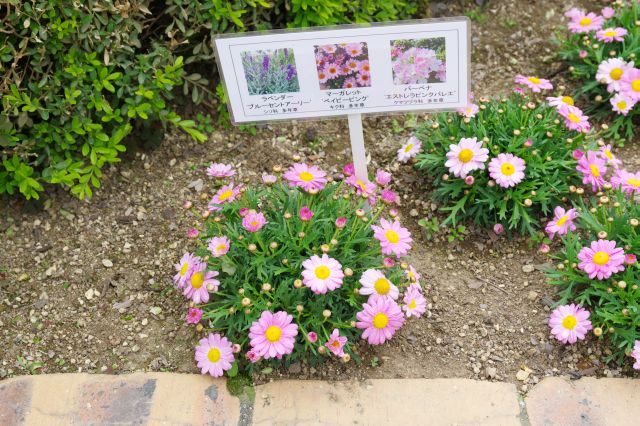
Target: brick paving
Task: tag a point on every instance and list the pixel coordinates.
(182, 399)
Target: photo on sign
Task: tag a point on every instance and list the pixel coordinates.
(270, 71)
(343, 66)
(419, 61)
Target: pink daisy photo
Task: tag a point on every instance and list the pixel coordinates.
(534, 83)
(379, 319)
(185, 269)
(611, 71)
(376, 285)
(200, 283)
(562, 222)
(322, 274)
(226, 194)
(622, 104)
(336, 343)
(214, 355)
(466, 156)
(415, 305)
(630, 84)
(607, 153)
(220, 170)
(569, 323)
(602, 259)
(306, 177)
(635, 353)
(627, 182)
(273, 335)
(219, 246)
(593, 168)
(575, 119)
(194, 315)
(609, 35)
(254, 221)
(585, 22)
(409, 149)
(393, 237)
(507, 170)
(559, 101)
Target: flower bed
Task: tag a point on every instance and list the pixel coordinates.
(297, 268)
(501, 162)
(601, 52)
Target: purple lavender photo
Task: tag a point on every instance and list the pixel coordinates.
(270, 71)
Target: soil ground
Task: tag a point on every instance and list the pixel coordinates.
(86, 286)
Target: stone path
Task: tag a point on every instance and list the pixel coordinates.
(180, 399)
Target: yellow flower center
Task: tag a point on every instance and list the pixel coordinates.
(361, 184)
(322, 272)
(380, 320)
(534, 80)
(226, 194)
(635, 85)
(616, 74)
(610, 33)
(335, 344)
(413, 304)
(306, 176)
(465, 155)
(392, 236)
(569, 322)
(214, 355)
(221, 247)
(382, 286)
(197, 279)
(573, 117)
(608, 154)
(601, 258)
(633, 182)
(408, 147)
(254, 223)
(273, 333)
(567, 100)
(585, 21)
(507, 169)
(622, 105)
(595, 171)
(184, 269)
(562, 220)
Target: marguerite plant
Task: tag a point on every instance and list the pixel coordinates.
(296, 267)
(602, 51)
(597, 267)
(506, 164)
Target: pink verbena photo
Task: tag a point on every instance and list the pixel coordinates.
(419, 61)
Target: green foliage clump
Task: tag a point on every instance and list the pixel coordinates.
(516, 125)
(584, 53)
(74, 81)
(614, 302)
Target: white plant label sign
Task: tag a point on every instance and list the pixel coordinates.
(346, 70)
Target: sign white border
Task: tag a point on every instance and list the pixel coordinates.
(383, 96)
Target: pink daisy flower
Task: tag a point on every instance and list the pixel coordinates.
(602, 259)
(194, 315)
(185, 269)
(469, 111)
(219, 246)
(388, 196)
(584, 23)
(498, 228)
(383, 177)
(611, 71)
(379, 319)
(630, 259)
(214, 355)
(252, 356)
(220, 170)
(269, 179)
(273, 334)
(323, 77)
(630, 84)
(534, 83)
(412, 274)
(415, 305)
(562, 222)
(608, 156)
(376, 285)
(363, 79)
(635, 353)
(466, 156)
(409, 149)
(622, 104)
(349, 169)
(361, 187)
(226, 194)
(352, 64)
(349, 83)
(336, 343)
(200, 283)
(332, 70)
(593, 168)
(574, 11)
(312, 337)
(608, 12)
(306, 177)
(353, 49)
(322, 274)
(574, 119)
(609, 35)
(569, 323)
(254, 221)
(305, 214)
(341, 222)
(507, 170)
(363, 66)
(559, 101)
(393, 237)
(627, 182)
(388, 262)
(193, 233)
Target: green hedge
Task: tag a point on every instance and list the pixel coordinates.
(77, 77)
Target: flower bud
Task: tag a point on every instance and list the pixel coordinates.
(252, 247)
(326, 313)
(597, 331)
(287, 215)
(321, 350)
(241, 291)
(579, 191)
(334, 242)
(633, 222)
(273, 245)
(299, 308)
(285, 261)
(199, 328)
(247, 311)
(602, 235)
(246, 301)
(445, 177)
(236, 348)
(360, 213)
(296, 157)
(352, 324)
(206, 214)
(211, 287)
(297, 283)
(187, 204)
(325, 248)
(301, 234)
(346, 358)
(277, 168)
(528, 202)
(266, 287)
(348, 272)
(491, 183)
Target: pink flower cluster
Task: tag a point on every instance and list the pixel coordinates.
(593, 166)
(343, 66)
(415, 65)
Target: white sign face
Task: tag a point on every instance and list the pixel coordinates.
(405, 66)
